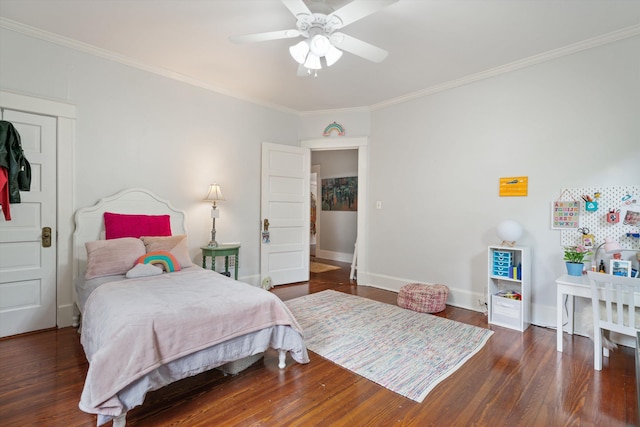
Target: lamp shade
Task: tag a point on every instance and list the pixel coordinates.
(299, 51)
(332, 55)
(313, 62)
(214, 194)
(611, 246)
(509, 231)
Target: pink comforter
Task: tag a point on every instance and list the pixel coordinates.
(132, 327)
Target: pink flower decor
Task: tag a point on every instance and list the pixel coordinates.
(575, 253)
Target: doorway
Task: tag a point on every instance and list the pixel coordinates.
(361, 145)
(64, 117)
(337, 204)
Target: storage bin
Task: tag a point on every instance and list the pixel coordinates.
(501, 271)
(506, 311)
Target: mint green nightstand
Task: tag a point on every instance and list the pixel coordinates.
(221, 250)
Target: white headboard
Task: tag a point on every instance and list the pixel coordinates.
(90, 220)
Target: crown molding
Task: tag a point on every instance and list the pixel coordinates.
(611, 37)
(122, 59)
(621, 34)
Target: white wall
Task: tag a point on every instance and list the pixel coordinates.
(435, 163)
(138, 129)
(355, 123)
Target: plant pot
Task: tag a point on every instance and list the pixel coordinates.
(575, 268)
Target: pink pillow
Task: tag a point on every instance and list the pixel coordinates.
(123, 225)
(111, 257)
(177, 245)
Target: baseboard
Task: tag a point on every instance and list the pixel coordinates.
(461, 298)
(65, 315)
(541, 315)
(334, 256)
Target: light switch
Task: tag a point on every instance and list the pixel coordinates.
(378, 204)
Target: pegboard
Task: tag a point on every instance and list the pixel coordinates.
(596, 222)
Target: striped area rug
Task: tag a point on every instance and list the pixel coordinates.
(407, 352)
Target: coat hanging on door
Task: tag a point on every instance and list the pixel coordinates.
(15, 170)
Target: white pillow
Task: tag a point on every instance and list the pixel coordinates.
(143, 270)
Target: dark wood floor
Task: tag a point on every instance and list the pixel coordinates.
(517, 379)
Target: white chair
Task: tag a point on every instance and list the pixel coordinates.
(617, 313)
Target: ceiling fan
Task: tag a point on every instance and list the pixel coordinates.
(322, 42)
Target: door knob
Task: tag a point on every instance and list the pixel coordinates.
(46, 237)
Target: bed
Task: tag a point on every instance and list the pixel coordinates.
(149, 316)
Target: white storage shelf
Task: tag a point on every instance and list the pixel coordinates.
(509, 269)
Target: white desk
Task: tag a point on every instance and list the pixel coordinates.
(572, 286)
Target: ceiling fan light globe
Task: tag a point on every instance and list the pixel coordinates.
(313, 62)
(299, 51)
(319, 45)
(332, 56)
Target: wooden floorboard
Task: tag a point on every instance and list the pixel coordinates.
(517, 379)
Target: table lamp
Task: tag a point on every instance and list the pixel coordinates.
(509, 231)
(612, 247)
(214, 195)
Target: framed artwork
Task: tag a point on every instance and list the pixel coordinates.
(340, 194)
(514, 186)
(619, 267)
(565, 214)
(631, 215)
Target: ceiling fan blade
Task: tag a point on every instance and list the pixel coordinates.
(261, 37)
(358, 47)
(358, 9)
(297, 7)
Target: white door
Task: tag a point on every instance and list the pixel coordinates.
(27, 269)
(285, 201)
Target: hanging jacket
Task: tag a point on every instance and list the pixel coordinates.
(12, 158)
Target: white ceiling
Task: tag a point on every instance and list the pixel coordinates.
(431, 43)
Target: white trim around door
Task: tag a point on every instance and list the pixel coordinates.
(362, 145)
(65, 115)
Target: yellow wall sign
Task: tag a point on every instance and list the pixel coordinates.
(514, 186)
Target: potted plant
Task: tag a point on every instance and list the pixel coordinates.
(574, 257)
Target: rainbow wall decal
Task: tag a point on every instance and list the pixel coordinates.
(333, 127)
(165, 259)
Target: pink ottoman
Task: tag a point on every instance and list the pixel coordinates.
(423, 298)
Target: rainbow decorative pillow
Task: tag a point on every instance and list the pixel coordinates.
(163, 259)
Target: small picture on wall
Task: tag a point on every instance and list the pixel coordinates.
(340, 194)
(632, 216)
(620, 268)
